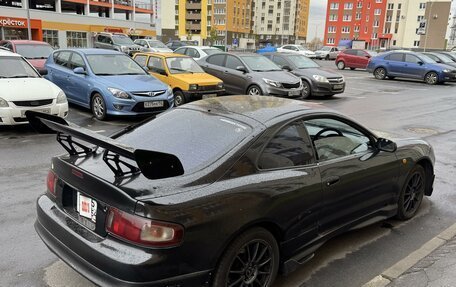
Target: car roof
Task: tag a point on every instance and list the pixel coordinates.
(19, 42)
(281, 54)
(93, 51)
(163, 54)
(259, 108)
(4, 53)
(243, 53)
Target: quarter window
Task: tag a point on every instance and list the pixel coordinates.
(333, 138)
(288, 148)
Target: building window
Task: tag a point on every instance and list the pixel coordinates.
(51, 37)
(376, 23)
(377, 11)
(399, 6)
(76, 39)
(331, 29)
(334, 6)
(416, 43)
(360, 4)
(333, 17)
(348, 6)
(346, 29)
(394, 42)
(390, 6)
(356, 29)
(420, 18)
(374, 35)
(389, 18)
(422, 5)
(347, 18)
(330, 41)
(358, 16)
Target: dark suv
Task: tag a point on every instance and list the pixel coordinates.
(116, 41)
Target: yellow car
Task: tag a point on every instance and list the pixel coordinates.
(187, 79)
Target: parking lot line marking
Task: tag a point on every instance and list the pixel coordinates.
(406, 263)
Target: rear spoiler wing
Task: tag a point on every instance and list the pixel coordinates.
(152, 164)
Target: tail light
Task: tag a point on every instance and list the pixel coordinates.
(142, 230)
(51, 182)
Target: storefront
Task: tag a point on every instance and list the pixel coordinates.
(16, 29)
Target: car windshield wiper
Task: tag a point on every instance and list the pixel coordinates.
(105, 74)
(35, 58)
(20, 76)
(129, 74)
(182, 70)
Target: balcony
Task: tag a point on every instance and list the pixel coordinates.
(193, 26)
(193, 16)
(100, 3)
(193, 5)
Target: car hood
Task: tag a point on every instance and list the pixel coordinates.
(27, 89)
(198, 78)
(325, 72)
(280, 76)
(133, 83)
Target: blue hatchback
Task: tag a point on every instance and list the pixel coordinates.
(107, 82)
(405, 64)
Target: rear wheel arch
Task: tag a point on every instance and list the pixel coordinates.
(429, 172)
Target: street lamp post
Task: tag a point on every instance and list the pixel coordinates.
(29, 28)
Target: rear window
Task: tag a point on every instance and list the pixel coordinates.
(34, 51)
(212, 51)
(196, 138)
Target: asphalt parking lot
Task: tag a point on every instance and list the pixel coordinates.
(392, 108)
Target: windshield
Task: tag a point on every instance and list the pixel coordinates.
(181, 65)
(31, 51)
(189, 43)
(211, 51)
(195, 148)
(427, 59)
(156, 44)
(260, 64)
(444, 58)
(111, 65)
(325, 48)
(16, 67)
(122, 40)
(302, 62)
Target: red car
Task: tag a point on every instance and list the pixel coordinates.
(36, 52)
(353, 58)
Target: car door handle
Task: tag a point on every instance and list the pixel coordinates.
(226, 72)
(332, 180)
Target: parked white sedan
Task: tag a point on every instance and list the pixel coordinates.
(197, 52)
(297, 49)
(22, 89)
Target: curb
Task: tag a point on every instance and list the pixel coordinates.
(406, 263)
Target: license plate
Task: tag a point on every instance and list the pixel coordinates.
(294, 93)
(154, 104)
(45, 111)
(86, 207)
(209, 96)
(338, 87)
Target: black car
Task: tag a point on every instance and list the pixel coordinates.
(441, 58)
(232, 190)
(317, 81)
(251, 74)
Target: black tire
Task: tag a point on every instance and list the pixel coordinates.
(243, 257)
(327, 58)
(352, 69)
(98, 107)
(179, 98)
(431, 78)
(391, 78)
(254, 90)
(306, 90)
(412, 193)
(380, 73)
(341, 65)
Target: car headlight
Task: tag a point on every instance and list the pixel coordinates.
(123, 48)
(320, 79)
(272, 83)
(119, 93)
(61, 98)
(446, 71)
(3, 103)
(220, 85)
(193, 87)
(169, 92)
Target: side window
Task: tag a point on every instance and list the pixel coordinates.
(361, 53)
(156, 65)
(395, 57)
(192, 53)
(62, 59)
(217, 60)
(350, 52)
(333, 138)
(335, 50)
(76, 61)
(412, 59)
(141, 60)
(288, 148)
(232, 62)
(281, 62)
(433, 57)
(181, 51)
(294, 48)
(9, 46)
(101, 38)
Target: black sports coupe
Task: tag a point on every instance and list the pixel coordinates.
(221, 192)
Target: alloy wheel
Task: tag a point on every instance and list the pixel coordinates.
(341, 65)
(431, 78)
(252, 266)
(254, 91)
(413, 194)
(380, 73)
(98, 107)
(305, 90)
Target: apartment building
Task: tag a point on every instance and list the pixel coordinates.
(74, 23)
(282, 21)
(356, 20)
(193, 19)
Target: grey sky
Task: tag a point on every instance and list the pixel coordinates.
(317, 19)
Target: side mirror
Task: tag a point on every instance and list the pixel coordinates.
(79, 71)
(43, 72)
(286, 68)
(438, 61)
(368, 56)
(420, 63)
(386, 145)
(241, 69)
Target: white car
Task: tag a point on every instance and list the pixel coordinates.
(297, 49)
(22, 89)
(149, 45)
(197, 52)
(327, 53)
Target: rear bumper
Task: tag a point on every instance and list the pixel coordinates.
(107, 261)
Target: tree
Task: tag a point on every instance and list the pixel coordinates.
(315, 44)
(212, 37)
